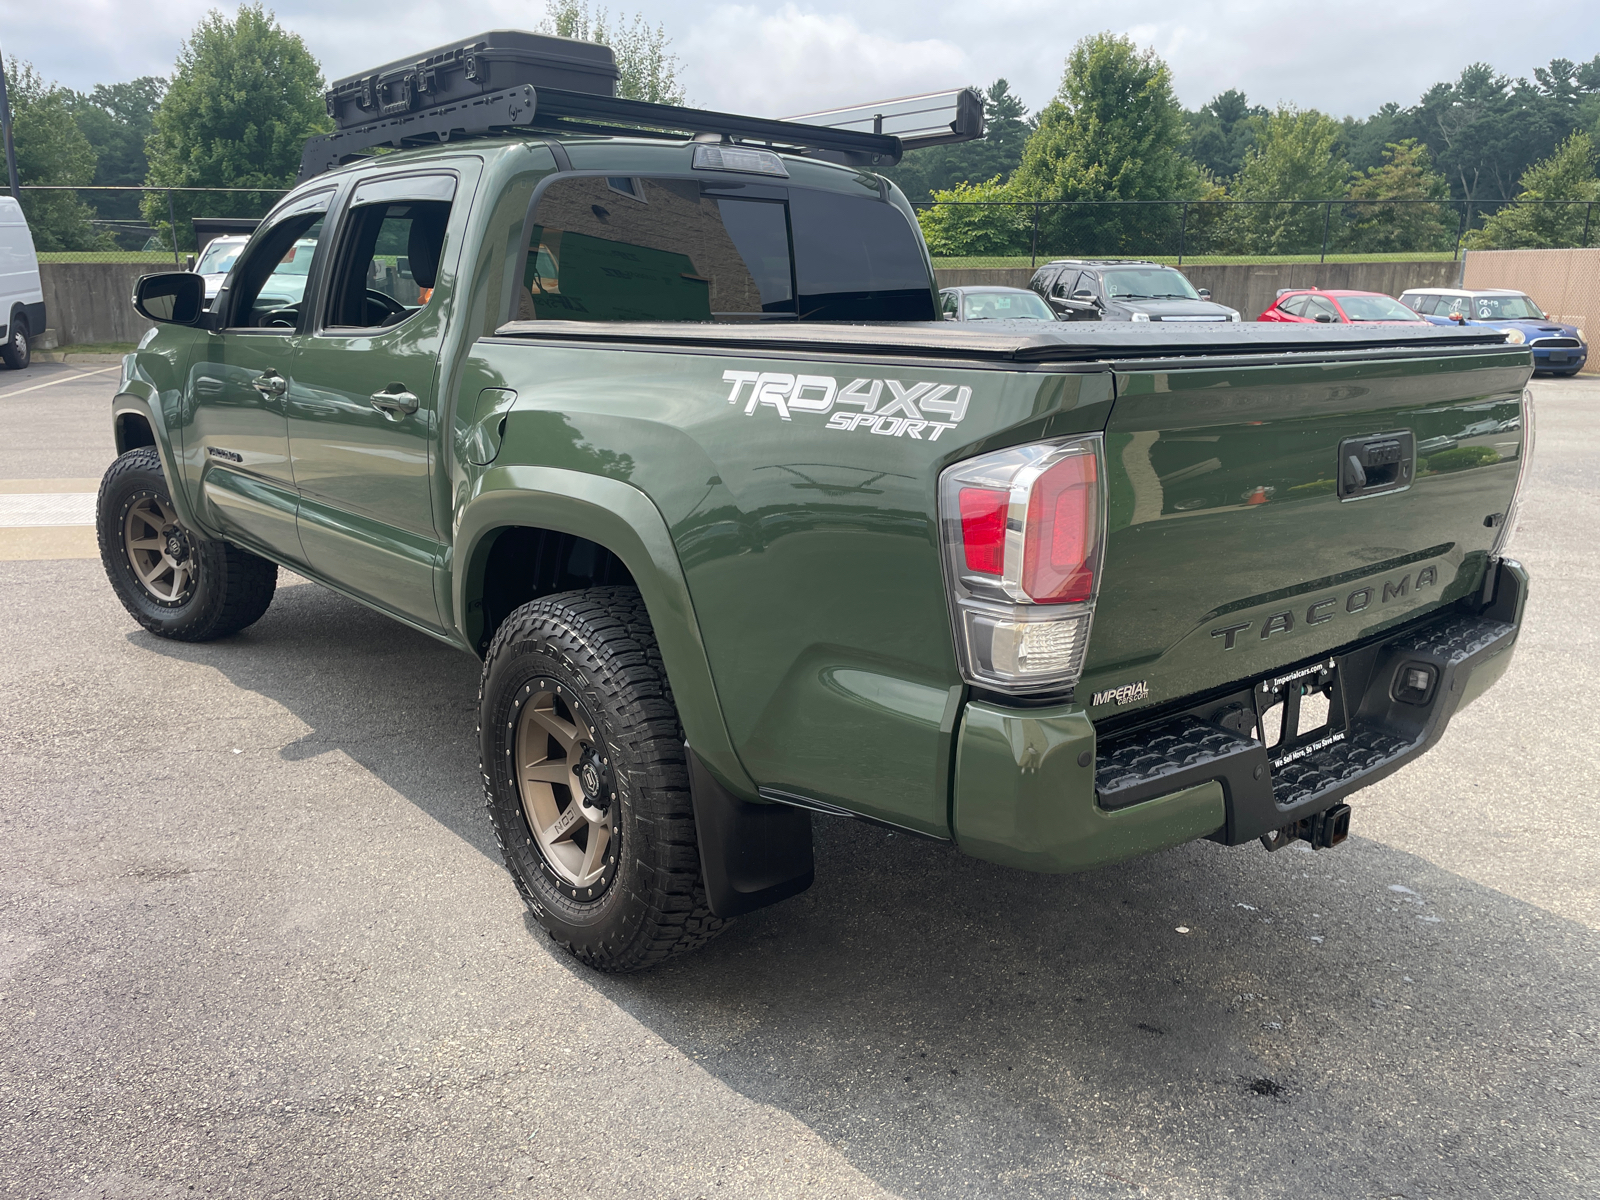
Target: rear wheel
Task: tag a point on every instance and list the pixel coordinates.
(587, 783)
(174, 583)
(16, 352)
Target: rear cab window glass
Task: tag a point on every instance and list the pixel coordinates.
(687, 250)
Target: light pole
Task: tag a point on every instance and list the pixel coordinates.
(5, 130)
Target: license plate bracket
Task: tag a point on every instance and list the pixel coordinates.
(1300, 712)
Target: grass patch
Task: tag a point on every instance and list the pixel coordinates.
(1204, 260)
(107, 256)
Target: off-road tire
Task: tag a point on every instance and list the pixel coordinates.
(597, 647)
(231, 587)
(16, 353)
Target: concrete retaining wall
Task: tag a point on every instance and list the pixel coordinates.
(1252, 287)
(86, 303)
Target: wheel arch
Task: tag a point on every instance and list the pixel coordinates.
(137, 421)
(534, 509)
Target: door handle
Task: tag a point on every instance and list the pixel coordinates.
(394, 401)
(270, 384)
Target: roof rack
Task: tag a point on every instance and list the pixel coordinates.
(539, 109)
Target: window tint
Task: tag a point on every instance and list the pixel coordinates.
(858, 258)
(1065, 284)
(1041, 282)
(270, 284)
(663, 252)
(388, 262)
(1295, 306)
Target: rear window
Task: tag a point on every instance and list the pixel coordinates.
(634, 249)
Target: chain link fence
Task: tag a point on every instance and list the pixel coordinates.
(130, 224)
(1024, 234)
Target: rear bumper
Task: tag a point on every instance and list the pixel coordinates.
(1034, 790)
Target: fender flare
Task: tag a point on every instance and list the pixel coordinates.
(137, 397)
(625, 521)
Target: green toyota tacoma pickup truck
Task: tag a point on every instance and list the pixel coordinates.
(665, 428)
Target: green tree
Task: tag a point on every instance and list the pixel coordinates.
(973, 220)
(1006, 127)
(1386, 214)
(646, 70)
(1567, 175)
(117, 119)
(1221, 131)
(1113, 132)
(245, 96)
(51, 151)
(1296, 158)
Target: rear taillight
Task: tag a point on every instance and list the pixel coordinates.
(1023, 530)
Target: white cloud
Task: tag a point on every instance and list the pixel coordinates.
(775, 64)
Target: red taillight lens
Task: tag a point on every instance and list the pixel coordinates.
(1058, 542)
(983, 529)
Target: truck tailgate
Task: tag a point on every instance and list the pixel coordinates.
(1236, 546)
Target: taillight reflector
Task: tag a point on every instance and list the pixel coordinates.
(1058, 541)
(983, 529)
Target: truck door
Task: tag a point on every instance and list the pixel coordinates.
(363, 409)
(240, 379)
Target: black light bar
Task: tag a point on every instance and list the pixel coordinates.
(532, 109)
(931, 119)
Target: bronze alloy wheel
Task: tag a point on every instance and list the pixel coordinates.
(158, 548)
(568, 795)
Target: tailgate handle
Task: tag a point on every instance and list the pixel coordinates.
(1371, 466)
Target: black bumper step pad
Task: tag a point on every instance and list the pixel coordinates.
(1177, 754)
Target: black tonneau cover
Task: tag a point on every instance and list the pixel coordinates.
(1025, 341)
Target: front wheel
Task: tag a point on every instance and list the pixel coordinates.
(587, 782)
(173, 582)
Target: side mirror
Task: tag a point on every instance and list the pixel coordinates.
(172, 298)
(1205, 293)
(1324, 319)
(1084, 294)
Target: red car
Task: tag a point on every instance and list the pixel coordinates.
(1310, 306)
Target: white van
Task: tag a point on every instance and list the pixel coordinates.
(21, 297)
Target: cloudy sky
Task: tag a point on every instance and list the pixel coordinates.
(778, 59)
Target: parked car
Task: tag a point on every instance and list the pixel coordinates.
(1314, 306)
(284, 287)
(1083, 289)
(993, 304)
(21, 296)
(217, 260)
(1558, 348)
(743, 533)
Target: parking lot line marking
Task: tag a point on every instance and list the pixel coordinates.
(46, 508)
(53, 382)
(47, 542)
(11, 487)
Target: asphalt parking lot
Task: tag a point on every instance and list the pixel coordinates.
(256, 940)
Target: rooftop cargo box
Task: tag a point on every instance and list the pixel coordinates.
(486, 62)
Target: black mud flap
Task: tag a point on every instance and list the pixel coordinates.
(751, 854)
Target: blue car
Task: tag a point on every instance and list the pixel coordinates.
(1557, 348)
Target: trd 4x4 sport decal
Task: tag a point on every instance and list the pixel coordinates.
(903, 412)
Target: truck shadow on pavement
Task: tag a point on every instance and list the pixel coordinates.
(1208, 1021)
